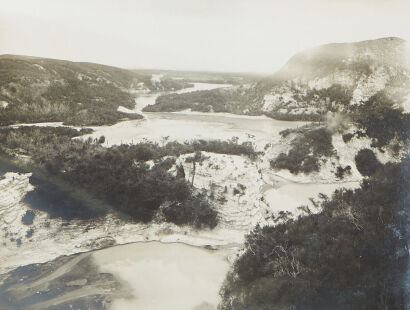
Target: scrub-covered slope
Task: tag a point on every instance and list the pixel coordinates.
(39, 89)
(336, 77)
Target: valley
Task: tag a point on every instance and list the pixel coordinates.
(262, 175)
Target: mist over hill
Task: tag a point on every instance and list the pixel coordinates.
(332, 77)
(336, 77)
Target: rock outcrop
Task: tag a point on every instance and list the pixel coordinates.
(336, 77)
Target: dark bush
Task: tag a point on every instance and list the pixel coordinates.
(195, 211)
(29, 233)
(347, 137)
(101, 140)
(306, 151)
(341, 172)
(76, 179)
(366, 162)
(353, 254)
(382, 121)
(28, 217)
(232, 100)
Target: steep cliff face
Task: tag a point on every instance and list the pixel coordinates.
(336, 77)
(13, 187)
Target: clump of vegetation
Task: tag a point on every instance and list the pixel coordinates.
(366, 162)
(195, 211)
(314, 117)
(29, 233)
(306, 152)
(28, 217)
(82, 179)
(335, 97)
(298, 130)
(382, 121)
(347, 137)
(231, 100)
(317, 103)
(353, 254)
(342, 171)
(202, 101)
(149, 150)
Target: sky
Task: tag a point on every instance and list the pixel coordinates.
(212, 35)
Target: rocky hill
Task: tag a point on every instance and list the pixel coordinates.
(38, 90)
(336, 77)
(332, 77)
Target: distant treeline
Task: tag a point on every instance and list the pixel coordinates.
(231, 100)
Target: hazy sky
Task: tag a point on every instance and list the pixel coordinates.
(223, 35)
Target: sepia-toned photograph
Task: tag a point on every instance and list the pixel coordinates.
(204, 154)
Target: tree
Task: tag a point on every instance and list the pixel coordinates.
(101, 140)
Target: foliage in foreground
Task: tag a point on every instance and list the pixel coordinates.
(353, 254)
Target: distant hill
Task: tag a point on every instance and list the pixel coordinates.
(336, 77)
(332, 77)
(37, 89)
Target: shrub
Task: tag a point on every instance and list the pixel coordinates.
(195, 211)
(382, 121)
(101, 139)
(366, 162)
(347, 137)
(306, 151)
(340, 172)
(28, 217)
(232, 100)
(29, 233)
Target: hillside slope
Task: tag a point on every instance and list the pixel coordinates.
(332, 77)
(336, 77)
(37, 90)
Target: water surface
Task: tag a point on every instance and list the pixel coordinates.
(162, 276)
(186, 126)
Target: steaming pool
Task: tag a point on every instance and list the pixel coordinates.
(171, 276)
